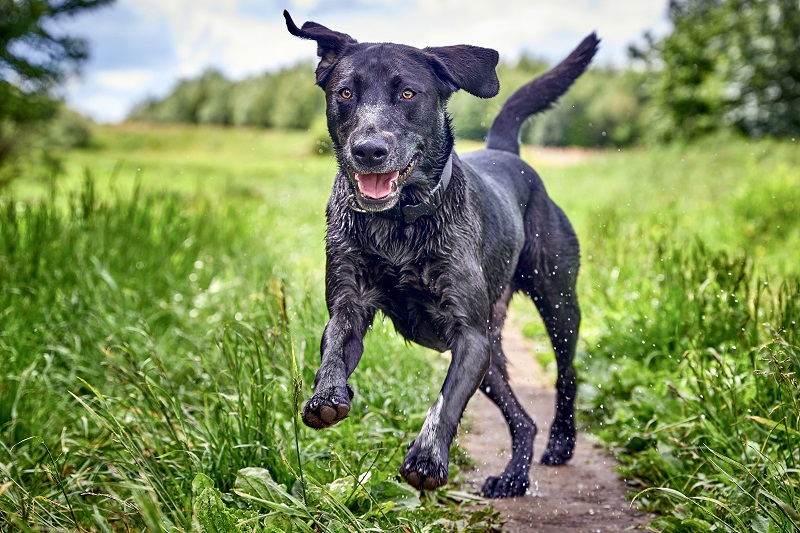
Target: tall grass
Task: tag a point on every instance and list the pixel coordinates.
(692, 377)
(691, 344)
(154, 361)
(689, 351)
(156, 342)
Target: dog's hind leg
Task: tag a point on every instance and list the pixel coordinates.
(548, 272)
(559, 309)
(514, 479)
(553, 292)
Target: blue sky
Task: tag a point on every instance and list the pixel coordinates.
(141, 48)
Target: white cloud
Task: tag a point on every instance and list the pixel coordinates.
(124, 80)
(218, 33)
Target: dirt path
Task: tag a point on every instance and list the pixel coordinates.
(585, 495)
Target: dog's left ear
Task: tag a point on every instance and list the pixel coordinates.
(467, 67)
(330, 44)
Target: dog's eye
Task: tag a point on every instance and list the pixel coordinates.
(408, 94)
(346, 93)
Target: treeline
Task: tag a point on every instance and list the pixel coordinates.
(601, 110)
(284, 99)
(727, 65)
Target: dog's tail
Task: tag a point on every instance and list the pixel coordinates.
(538, 95)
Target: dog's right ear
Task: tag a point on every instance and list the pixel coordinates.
(330, 44)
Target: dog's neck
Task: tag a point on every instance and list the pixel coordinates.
(410, 213)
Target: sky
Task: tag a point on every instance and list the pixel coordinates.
(141, 48)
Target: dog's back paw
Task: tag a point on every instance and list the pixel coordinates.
(505, 486)
(559, 451)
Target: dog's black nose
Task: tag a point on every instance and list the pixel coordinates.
(370, 152)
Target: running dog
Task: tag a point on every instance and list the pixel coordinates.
(439, 242)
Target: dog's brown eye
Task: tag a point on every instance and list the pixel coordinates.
(408, 94)
(346, 93)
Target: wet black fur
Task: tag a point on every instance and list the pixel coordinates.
(445, 280)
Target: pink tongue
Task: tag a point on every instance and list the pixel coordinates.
(376, 185)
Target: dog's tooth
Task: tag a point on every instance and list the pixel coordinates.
(394, 186)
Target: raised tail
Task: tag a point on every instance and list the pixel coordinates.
(538, 95)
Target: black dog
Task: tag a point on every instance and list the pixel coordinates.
(439, 243)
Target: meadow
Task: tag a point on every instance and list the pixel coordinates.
(162, 305)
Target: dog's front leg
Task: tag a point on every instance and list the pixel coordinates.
(425, 465)
(341, 349)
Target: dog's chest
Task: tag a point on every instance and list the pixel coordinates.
(404, 260)
(413, 296)
(419, 278)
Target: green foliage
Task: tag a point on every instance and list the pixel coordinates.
(161, 343)
(601, 109)
(286, 99)
(206, 100)
(34, 150)
(727, 64)
(693, 370)
(252, 102)
(155, 340)
(34, 59)
(690, 294)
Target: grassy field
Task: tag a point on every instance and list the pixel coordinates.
(162, 306)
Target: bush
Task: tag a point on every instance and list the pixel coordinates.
(35, 150)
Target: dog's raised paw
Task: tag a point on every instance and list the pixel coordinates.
(505, 486)
(323, 411)
(423, 472)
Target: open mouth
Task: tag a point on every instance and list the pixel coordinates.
(381, 187)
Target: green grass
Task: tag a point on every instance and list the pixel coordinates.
(158, 339)
(690, 341)
(160, 324)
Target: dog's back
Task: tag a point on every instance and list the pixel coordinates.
(506, 177)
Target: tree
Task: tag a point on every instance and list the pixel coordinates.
(283, 99)
(727, 64)
(34, 59)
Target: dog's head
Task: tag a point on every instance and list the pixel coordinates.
(386, 107)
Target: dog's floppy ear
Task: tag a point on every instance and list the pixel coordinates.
(466, 67)
(330, 44)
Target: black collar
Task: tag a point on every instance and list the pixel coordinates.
(410, 213)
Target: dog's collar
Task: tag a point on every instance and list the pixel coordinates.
(410, 213)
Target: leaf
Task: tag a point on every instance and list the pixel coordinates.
(637, 444)
(459, 496)
(774, 426)
(212, 515)
(258, 482)
(201, 482)
(695, 524)
(344, 489)
(760, 524)
(403, 497)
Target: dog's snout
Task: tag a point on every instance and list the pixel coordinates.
(370, 152)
